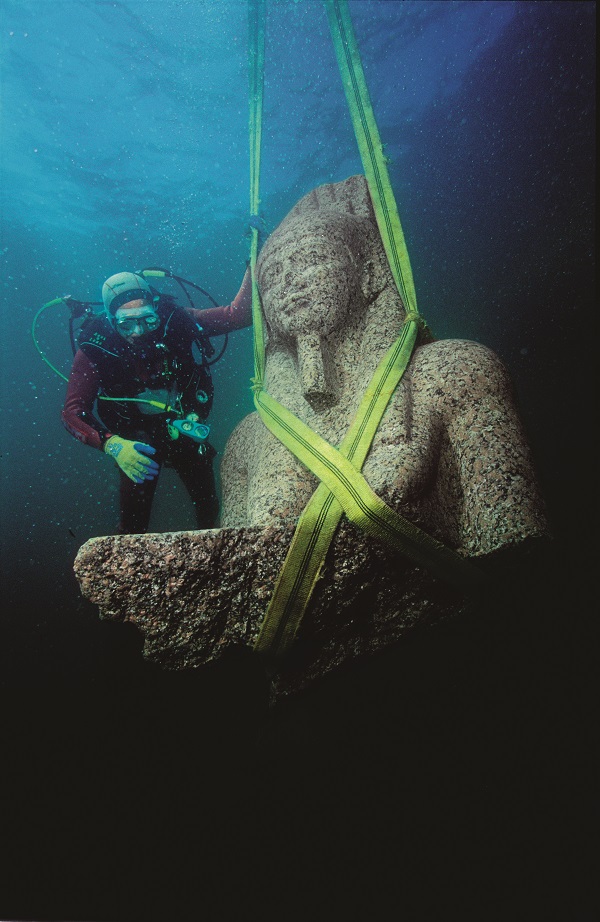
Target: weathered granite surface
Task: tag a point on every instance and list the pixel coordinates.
(450, 455)
(196, 595)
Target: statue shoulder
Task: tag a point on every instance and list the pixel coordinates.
(458, 365)
(451, 377)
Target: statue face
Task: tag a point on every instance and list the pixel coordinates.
(308, 278)
(306, 284)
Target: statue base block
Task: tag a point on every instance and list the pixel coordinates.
(195, 595)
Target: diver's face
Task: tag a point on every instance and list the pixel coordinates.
(135, 320)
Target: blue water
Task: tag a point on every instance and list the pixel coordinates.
(124, 144)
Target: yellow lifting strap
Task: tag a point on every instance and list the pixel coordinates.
(371, 149)
(343, 489)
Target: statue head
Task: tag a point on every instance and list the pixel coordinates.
(317, 273)
(311, 273)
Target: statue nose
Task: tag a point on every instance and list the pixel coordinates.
(316, 371)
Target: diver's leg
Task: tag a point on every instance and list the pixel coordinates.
(135, 505)
(197, 475)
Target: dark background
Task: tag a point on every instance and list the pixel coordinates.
(450, 777)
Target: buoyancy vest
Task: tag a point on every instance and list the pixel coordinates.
(171, 365)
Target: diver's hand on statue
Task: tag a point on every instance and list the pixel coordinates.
(134, 458)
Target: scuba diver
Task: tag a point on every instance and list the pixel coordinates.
(145, 361)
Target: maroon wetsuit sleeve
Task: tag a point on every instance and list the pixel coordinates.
(77, 414)
(218, 320)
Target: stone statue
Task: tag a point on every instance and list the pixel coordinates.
(450, 454)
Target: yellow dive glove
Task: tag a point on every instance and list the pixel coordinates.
(132, 458)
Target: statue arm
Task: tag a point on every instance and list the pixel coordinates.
(234, 477)
(499, 495)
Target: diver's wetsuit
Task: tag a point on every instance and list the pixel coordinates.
(171, 359)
